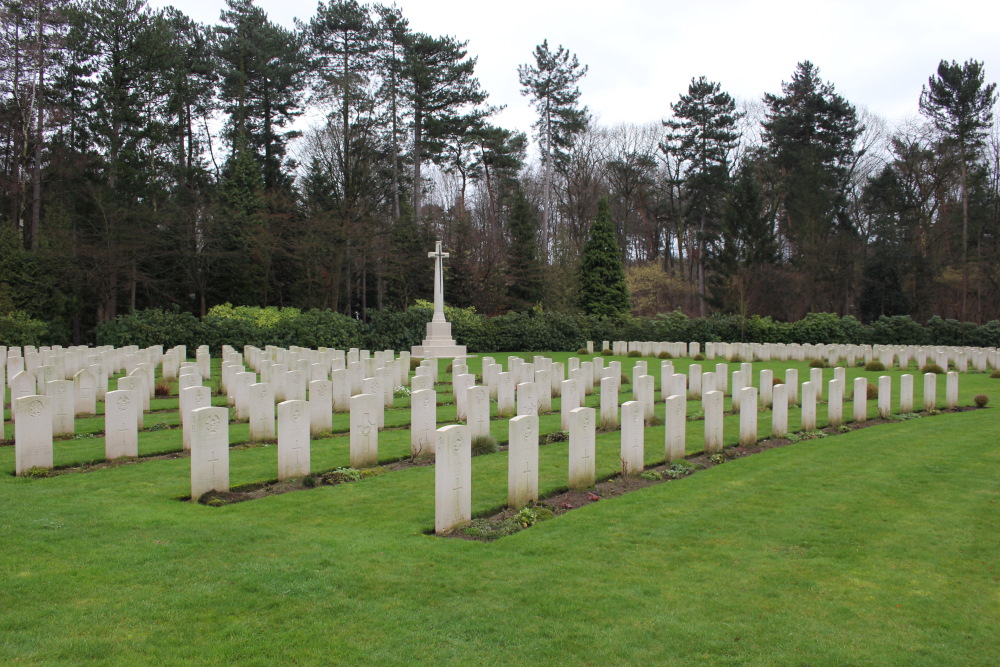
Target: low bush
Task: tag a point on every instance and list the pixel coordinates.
(698, 357)
(818, 363)
(981, 400)
(874, 365)
(634, 353)
(582, 350)
(735, 359)
(931, 368)
(606, 352)
(484, 444)
(872, 390)
(665, 355)
(995, 375)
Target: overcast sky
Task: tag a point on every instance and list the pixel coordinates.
(643, 53)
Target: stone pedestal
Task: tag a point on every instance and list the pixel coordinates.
(438, 343)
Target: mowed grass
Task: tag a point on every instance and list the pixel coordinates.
(875, 547)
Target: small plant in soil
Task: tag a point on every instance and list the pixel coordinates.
(341, 476)
(843, 428)
(696, 416)
(557, 436)
(651, 475)
(159, 426)
(624, 380)
(717, 458)
(36, 472)
(679, 469)
(872, 390)
(981, 400)
(401, 392)
(526, 516)
(874, 365)
(162, 388)
(484, 444)
(309, 481)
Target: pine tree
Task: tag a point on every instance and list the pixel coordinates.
(523, 268)
(603, 290)
(552, 84)
(960, 105)
(703, 134)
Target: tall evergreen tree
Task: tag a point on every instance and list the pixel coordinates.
(523, 268)
(703, 135)
(960, 104)
(445, 96)
(263, 79)
(551, 82)
(603, 289)
(810, 132)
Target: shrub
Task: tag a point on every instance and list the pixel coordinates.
(162, 388)
(776, 381)
(414, 364)
(818, 363)
(735, 359)
(665, 355)
(557, 436)
(526, 517)
(874, 365)
(981, 400)
(931, 368)
(634, 353)
(341, 475)
(582, 350)
(17, 329)
(651, 475)
(624, 380)
(606, 352)
(309, 481)
(679, 469)
(698, 357)
(484, 444)
(995, 375)
(872, 390)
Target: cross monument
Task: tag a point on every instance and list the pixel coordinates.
(438, 342)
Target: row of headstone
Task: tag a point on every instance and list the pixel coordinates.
(962, 359)
(453, 477)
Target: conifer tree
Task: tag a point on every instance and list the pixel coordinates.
(960, 105)
(603, 290)
(522, 254)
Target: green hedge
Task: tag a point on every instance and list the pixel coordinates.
(535, 331)
(17, 329)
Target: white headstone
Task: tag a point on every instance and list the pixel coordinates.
(293, 439)
(748, 416)
(121, 437)
(860, 399)
(906, 394)
(570, 401)
(32, 432)
(209, 451)
(522, 462)
(320, 406)
(951, 390)
(527, 398)
(808, 406)
(261, 411)
(505, 395)
(63, 406)
(633, 435)
(884, 396)
(364, 429)
(792, 385)
(453, 477)
(423, 422)
(713, 422)
(779, 411)
(609, 403)
(930, 391)
(675, 425)
(835, 402)
(85, 392)
(582, 448)
(190, 399)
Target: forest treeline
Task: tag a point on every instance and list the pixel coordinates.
(148, 160)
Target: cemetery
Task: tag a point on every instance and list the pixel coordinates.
(697, 465)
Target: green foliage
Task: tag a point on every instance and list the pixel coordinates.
(872, 391)
(526, 516)
(341, 475)
(309, 481)
(651, 475)
(582, 351)
(484, 444)
(931, 368)
(634, 353)
(981, 400)
(36, 472)
(665, 355)
(18, 329)
(698, 357)
(679, 469)
(819, 363)
(606, 352)
(557, 436)
(874, 366)
(603, 289)
(717, 458)
(995, 375)
(736, 359)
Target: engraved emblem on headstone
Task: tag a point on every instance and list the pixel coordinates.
(124, 402)
(213, 424)
(35, 408)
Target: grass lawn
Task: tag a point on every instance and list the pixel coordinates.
(881, 546)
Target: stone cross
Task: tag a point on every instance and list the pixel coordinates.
(438, 256)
